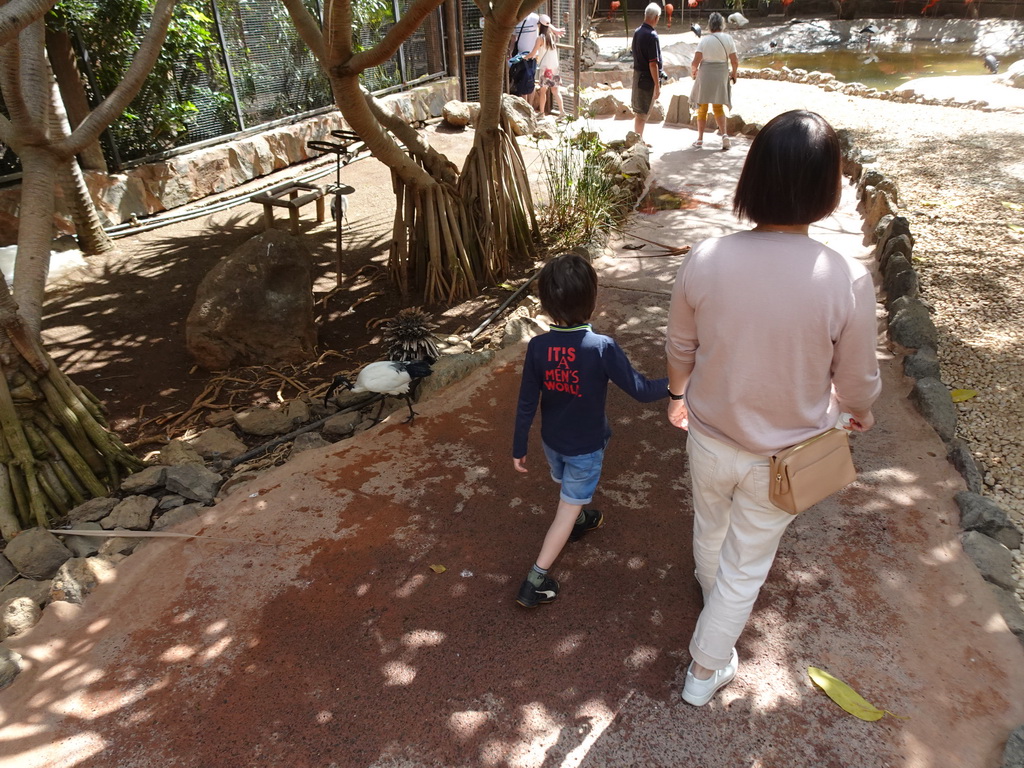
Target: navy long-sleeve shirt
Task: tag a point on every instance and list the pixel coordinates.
(567, 371)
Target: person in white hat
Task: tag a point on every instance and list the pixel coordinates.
(545, 52)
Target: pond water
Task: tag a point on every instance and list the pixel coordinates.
(885, 67)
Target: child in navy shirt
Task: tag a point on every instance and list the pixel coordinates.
(567, 371)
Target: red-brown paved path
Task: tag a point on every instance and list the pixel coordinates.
(327, 640)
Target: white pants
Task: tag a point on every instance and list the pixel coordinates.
(736, 533)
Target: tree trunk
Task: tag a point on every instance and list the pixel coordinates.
(494, 183)
(92, 239)
(55, 448)
(72, 92)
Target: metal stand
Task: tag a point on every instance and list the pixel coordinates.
(339, 205)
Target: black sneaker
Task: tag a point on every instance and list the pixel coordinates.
(592, 518)
(531, 596)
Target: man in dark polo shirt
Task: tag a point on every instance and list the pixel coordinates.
(646, 67)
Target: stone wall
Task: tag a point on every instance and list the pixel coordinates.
(158, 186)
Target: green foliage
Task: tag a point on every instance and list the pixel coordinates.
(188, 80)
(583, 197)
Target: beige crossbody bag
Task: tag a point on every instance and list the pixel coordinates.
(806, 473)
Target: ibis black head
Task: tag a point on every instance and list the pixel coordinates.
(991, 64)
(338, 381)
(695, 28)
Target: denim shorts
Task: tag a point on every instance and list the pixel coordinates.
(578, 475)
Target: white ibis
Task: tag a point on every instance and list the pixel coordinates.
(387, 378)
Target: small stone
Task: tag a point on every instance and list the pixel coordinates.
(178, 453)
(342, 424)
(307, 441)
(220, 418)
(79, 576)
(134, 513)
(934, 403)
(985, 516)
(38, 591)
(120, 545)
(144, 481)
(923, 364)
(84, 546)
(992, 558)
(7, 571)
(36, 553)
(218, 443)
(92, 510)
(263, 422)
(297, 411)
(196, 483)
(19, 614)
(10, 666)
(171, 500)
(183, 514)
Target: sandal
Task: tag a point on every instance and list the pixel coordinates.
(697, 144)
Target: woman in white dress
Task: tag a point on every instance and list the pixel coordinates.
(546, 54)
(712, 62)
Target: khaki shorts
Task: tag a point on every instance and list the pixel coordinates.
(642, 98)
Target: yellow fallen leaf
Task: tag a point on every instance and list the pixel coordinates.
(1013, 206)
(961, 395)
(438, 568)
(1015, 228)
(845, 696)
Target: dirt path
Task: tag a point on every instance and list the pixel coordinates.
(328, 640)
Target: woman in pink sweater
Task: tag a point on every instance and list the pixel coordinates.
(771, 335)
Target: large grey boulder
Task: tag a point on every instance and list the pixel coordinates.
(255, 307)
(36, 553)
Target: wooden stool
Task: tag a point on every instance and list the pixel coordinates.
(274, 196)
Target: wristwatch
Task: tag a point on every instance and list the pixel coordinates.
(674, 397)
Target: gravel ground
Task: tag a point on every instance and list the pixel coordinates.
(960, 174)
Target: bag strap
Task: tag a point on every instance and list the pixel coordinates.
(522, 25)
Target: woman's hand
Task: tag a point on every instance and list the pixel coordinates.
(678, 416)
(520, 464)
(862, 421)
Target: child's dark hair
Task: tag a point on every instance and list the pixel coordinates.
(568, 289)
(793, 173)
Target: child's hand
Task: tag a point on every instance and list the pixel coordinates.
(678, 416)
(520, 464)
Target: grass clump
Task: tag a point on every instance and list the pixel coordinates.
(585, 196)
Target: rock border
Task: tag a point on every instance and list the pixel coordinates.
(828, 82)
(989, 535)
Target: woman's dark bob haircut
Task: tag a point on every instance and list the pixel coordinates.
(793, 172)
(568, 289)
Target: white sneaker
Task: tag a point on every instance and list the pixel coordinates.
(725, 142)
(699, 692)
